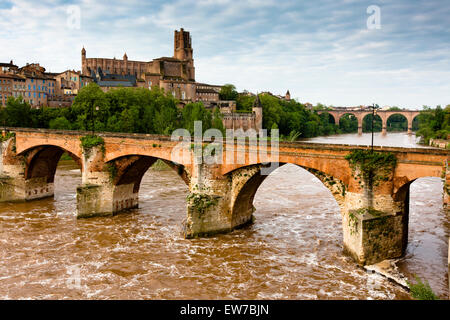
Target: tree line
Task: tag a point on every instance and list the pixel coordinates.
(434, 123)
(140, 110)
(132, 110)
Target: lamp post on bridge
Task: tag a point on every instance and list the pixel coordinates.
(375, 107)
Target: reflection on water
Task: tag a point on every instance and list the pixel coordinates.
(293, 251)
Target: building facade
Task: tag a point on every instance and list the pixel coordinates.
(70, 82)
(175, 74)
(31, 82)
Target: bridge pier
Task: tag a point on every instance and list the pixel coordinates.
(15, 185)
(208, 202)
(374, 220)
(360, 130)
(98, 195)
(373, 233)
(409, 130)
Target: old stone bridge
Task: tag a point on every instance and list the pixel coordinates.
(384, 115)
(374, 220)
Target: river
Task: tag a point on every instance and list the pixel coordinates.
(292, 251)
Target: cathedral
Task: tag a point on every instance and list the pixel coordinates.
(174, 74)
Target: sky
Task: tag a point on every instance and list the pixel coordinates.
(336, 52)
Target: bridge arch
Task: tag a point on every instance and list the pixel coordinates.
(349, 122)
(330, 116)
(367, 123)
(251, 178)
(397, 122)
(126, 173)
(41, 161)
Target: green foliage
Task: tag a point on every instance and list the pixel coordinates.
(196, 112)
(397, 122)
(244, 103)
(201, 202)
(7, 136)
(65, 157)
(434, 123)
(17, 113)
(60, 123)
(373, 166)
(421, 290)
(367, 123)
(112, 169)
(348, 124)
(228, 92)
(90, 141)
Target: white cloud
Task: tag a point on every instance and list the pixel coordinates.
(320, 50)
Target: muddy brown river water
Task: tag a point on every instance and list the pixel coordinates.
(292, 251)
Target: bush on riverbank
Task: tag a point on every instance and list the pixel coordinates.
(421, 290)
(434, 124)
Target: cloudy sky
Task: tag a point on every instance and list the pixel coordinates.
(322, 50)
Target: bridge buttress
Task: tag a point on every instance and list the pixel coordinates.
(98, 195)
(22, 177)
(374, 220)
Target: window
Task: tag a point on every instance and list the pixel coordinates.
(183, 95)
(32, 80)
(29, 87)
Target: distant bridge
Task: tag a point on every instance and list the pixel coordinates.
(384, 115)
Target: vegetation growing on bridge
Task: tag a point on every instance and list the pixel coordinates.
(7, 136)
(372, 167)
(91, 141)
(201, 202)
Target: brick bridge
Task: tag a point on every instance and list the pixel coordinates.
(221, 195)
(384, 115)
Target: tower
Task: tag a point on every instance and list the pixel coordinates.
(258, 111)
(183, 45)
(288, 95)
(83, 62)
(183, 51)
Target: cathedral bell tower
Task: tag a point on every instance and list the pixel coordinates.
(183, 51)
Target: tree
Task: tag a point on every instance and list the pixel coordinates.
(217, 122)
(60, 123)
(228, 92)
(18, 112)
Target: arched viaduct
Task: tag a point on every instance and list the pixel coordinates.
(374, 220)
(384, 115)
